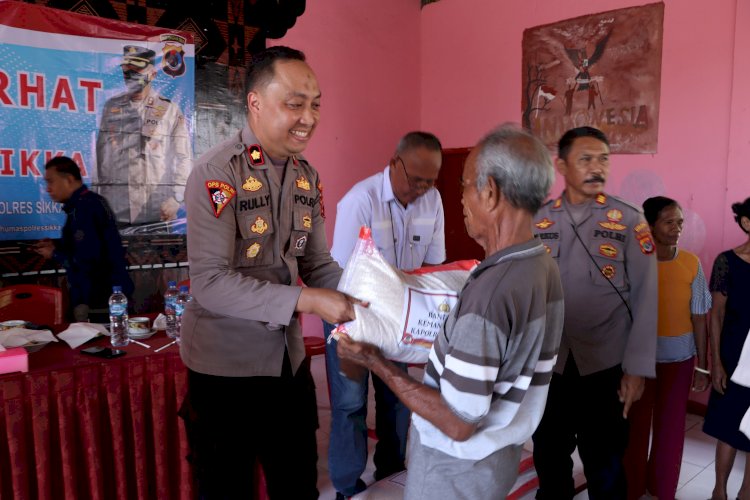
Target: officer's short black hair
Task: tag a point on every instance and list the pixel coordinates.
(741, 210)
(566, 141)
(418, 139)
(652, 207)
(261, 68)
(64, 165)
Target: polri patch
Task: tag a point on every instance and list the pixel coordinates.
(220, 194)
(260, 226)
(647, 246)
(253, 250)
(256, 155)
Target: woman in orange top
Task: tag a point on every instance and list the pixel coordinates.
(684, 301)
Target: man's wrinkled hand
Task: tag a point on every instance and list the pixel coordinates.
(631, 390)
(356, 354)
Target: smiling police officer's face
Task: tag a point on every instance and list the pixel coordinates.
(284, 113)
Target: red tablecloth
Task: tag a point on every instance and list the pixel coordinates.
(78, 426)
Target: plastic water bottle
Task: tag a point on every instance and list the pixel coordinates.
(182, 300)
(170, 303)
(118, 317)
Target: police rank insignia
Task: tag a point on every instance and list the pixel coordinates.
(303, 183)
(544, 223)
(253, 250)
(558, 203)
(220, 193)
(601, 198)
(299, 244)
(612, 225)
(252, 184)
(614, 215)
(256, 155)
(608, 250)
(608, 271)
(259, 226)
(307, 221)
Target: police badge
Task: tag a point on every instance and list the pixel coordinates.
(173, 57)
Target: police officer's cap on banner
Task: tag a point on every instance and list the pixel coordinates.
(140, 57)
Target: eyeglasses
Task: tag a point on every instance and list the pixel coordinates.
(416, 182)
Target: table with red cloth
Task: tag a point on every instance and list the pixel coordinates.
(77, 426)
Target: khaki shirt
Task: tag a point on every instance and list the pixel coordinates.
(143, 156)
(615, 243)
(248, 240)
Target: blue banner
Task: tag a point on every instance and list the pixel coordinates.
(121, 107)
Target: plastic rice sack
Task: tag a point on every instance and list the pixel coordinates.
(407, 310)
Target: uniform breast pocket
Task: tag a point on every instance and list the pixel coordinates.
(256, 246)
(382, 235)
(610, 263)
(419, 237)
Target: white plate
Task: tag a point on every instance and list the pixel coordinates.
(137, 336)
(142, 335)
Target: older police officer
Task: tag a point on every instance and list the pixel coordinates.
(605, 252)
(255, 224)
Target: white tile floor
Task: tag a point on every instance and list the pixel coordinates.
(696, 475)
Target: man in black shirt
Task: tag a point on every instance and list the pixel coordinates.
(90, 249)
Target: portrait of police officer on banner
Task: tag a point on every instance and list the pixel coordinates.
(143, 152)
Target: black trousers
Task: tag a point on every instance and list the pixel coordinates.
(582, 411)
(232, 421)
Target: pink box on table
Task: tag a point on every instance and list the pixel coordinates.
(15, 359)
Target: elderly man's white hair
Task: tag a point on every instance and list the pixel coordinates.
(519, 163)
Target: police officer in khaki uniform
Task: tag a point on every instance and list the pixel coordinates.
(143, 148)
(255, 224)
(609, 274)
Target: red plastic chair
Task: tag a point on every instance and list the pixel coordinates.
(39, 304)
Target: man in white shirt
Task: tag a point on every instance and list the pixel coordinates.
(405, 213)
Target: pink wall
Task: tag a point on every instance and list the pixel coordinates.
(366, 56)
(471, 61)
(453, 68)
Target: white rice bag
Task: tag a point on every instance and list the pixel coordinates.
(407, 309)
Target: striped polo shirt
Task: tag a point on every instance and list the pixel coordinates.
(493, 361)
